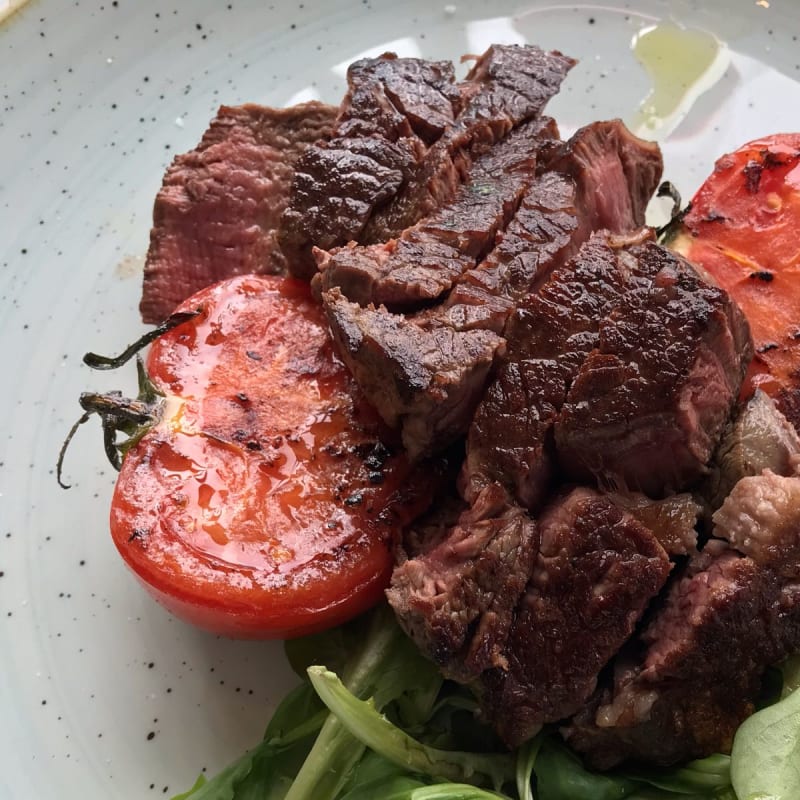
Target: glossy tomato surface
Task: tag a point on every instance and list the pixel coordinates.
(263, 504)
(744, 229)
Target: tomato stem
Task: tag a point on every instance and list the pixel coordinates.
(96, 361)
(665, 233)
(118, 414)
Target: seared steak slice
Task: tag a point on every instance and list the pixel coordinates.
(693, 677)
(393, 109)
(648, 405)
(546, 229)
(672, 520)
(345, 192)
(545, 232)
(456, 599)
(394, 97)
(758, 438)
(424, 381)
(615, 171)
(596, 571)
(219, 206)
(548, 338)
(761, 518)
(508, 85)
(426, 259)
(602, 178)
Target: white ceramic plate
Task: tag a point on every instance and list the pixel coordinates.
(102, 694)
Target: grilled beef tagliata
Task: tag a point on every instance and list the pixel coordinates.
(692, 677)
(596, 571)
(529, 615)
(373, 180)
(758, 437)
(394, 108)
(548, 337)
(216, 214)
(457, 598)
(648, 405)
(508, 85)
(431, 401)
(622, 369)
(425, 260)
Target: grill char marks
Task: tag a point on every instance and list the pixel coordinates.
(393, 109)
(216, 213)
(508, 85)
(648, 405)
(398, 154)
(424, 262)
(529, 614)
(548, 337)
(606, 377)
(399, 97)
(544, 232)
(596, 571)
(547, 228)
(424, 381)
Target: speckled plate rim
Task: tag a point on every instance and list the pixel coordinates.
(102, 694)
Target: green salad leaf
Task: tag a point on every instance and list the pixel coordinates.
(765, 760)
(377, 722)
(376, 732)
(695, 778)
(560, 775)
(266, 772)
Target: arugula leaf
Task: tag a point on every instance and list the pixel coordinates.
(526, 760)
(387, 667)
(765, 760)
(560, 775)
(697, 777)
(267, 771)
(376, 732)
(376, 777)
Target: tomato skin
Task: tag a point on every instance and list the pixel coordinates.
(263, 504)
(743, 229)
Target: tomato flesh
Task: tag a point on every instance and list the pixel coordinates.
(744, 230)
(263, 504)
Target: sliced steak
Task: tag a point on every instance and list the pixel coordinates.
(547, 228)
(424, 381)
(616, 172)
(545, 232)
(761, 518)
(216, 214)
(672, 520)
(396, 97)
(426, 259)
(508, 85)
(692, 678)
(393, 109)
(456, 599)
(601, 178)
(548, 338)
(596, 571)
(648, 406)
(372, 181)
(758, 438)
